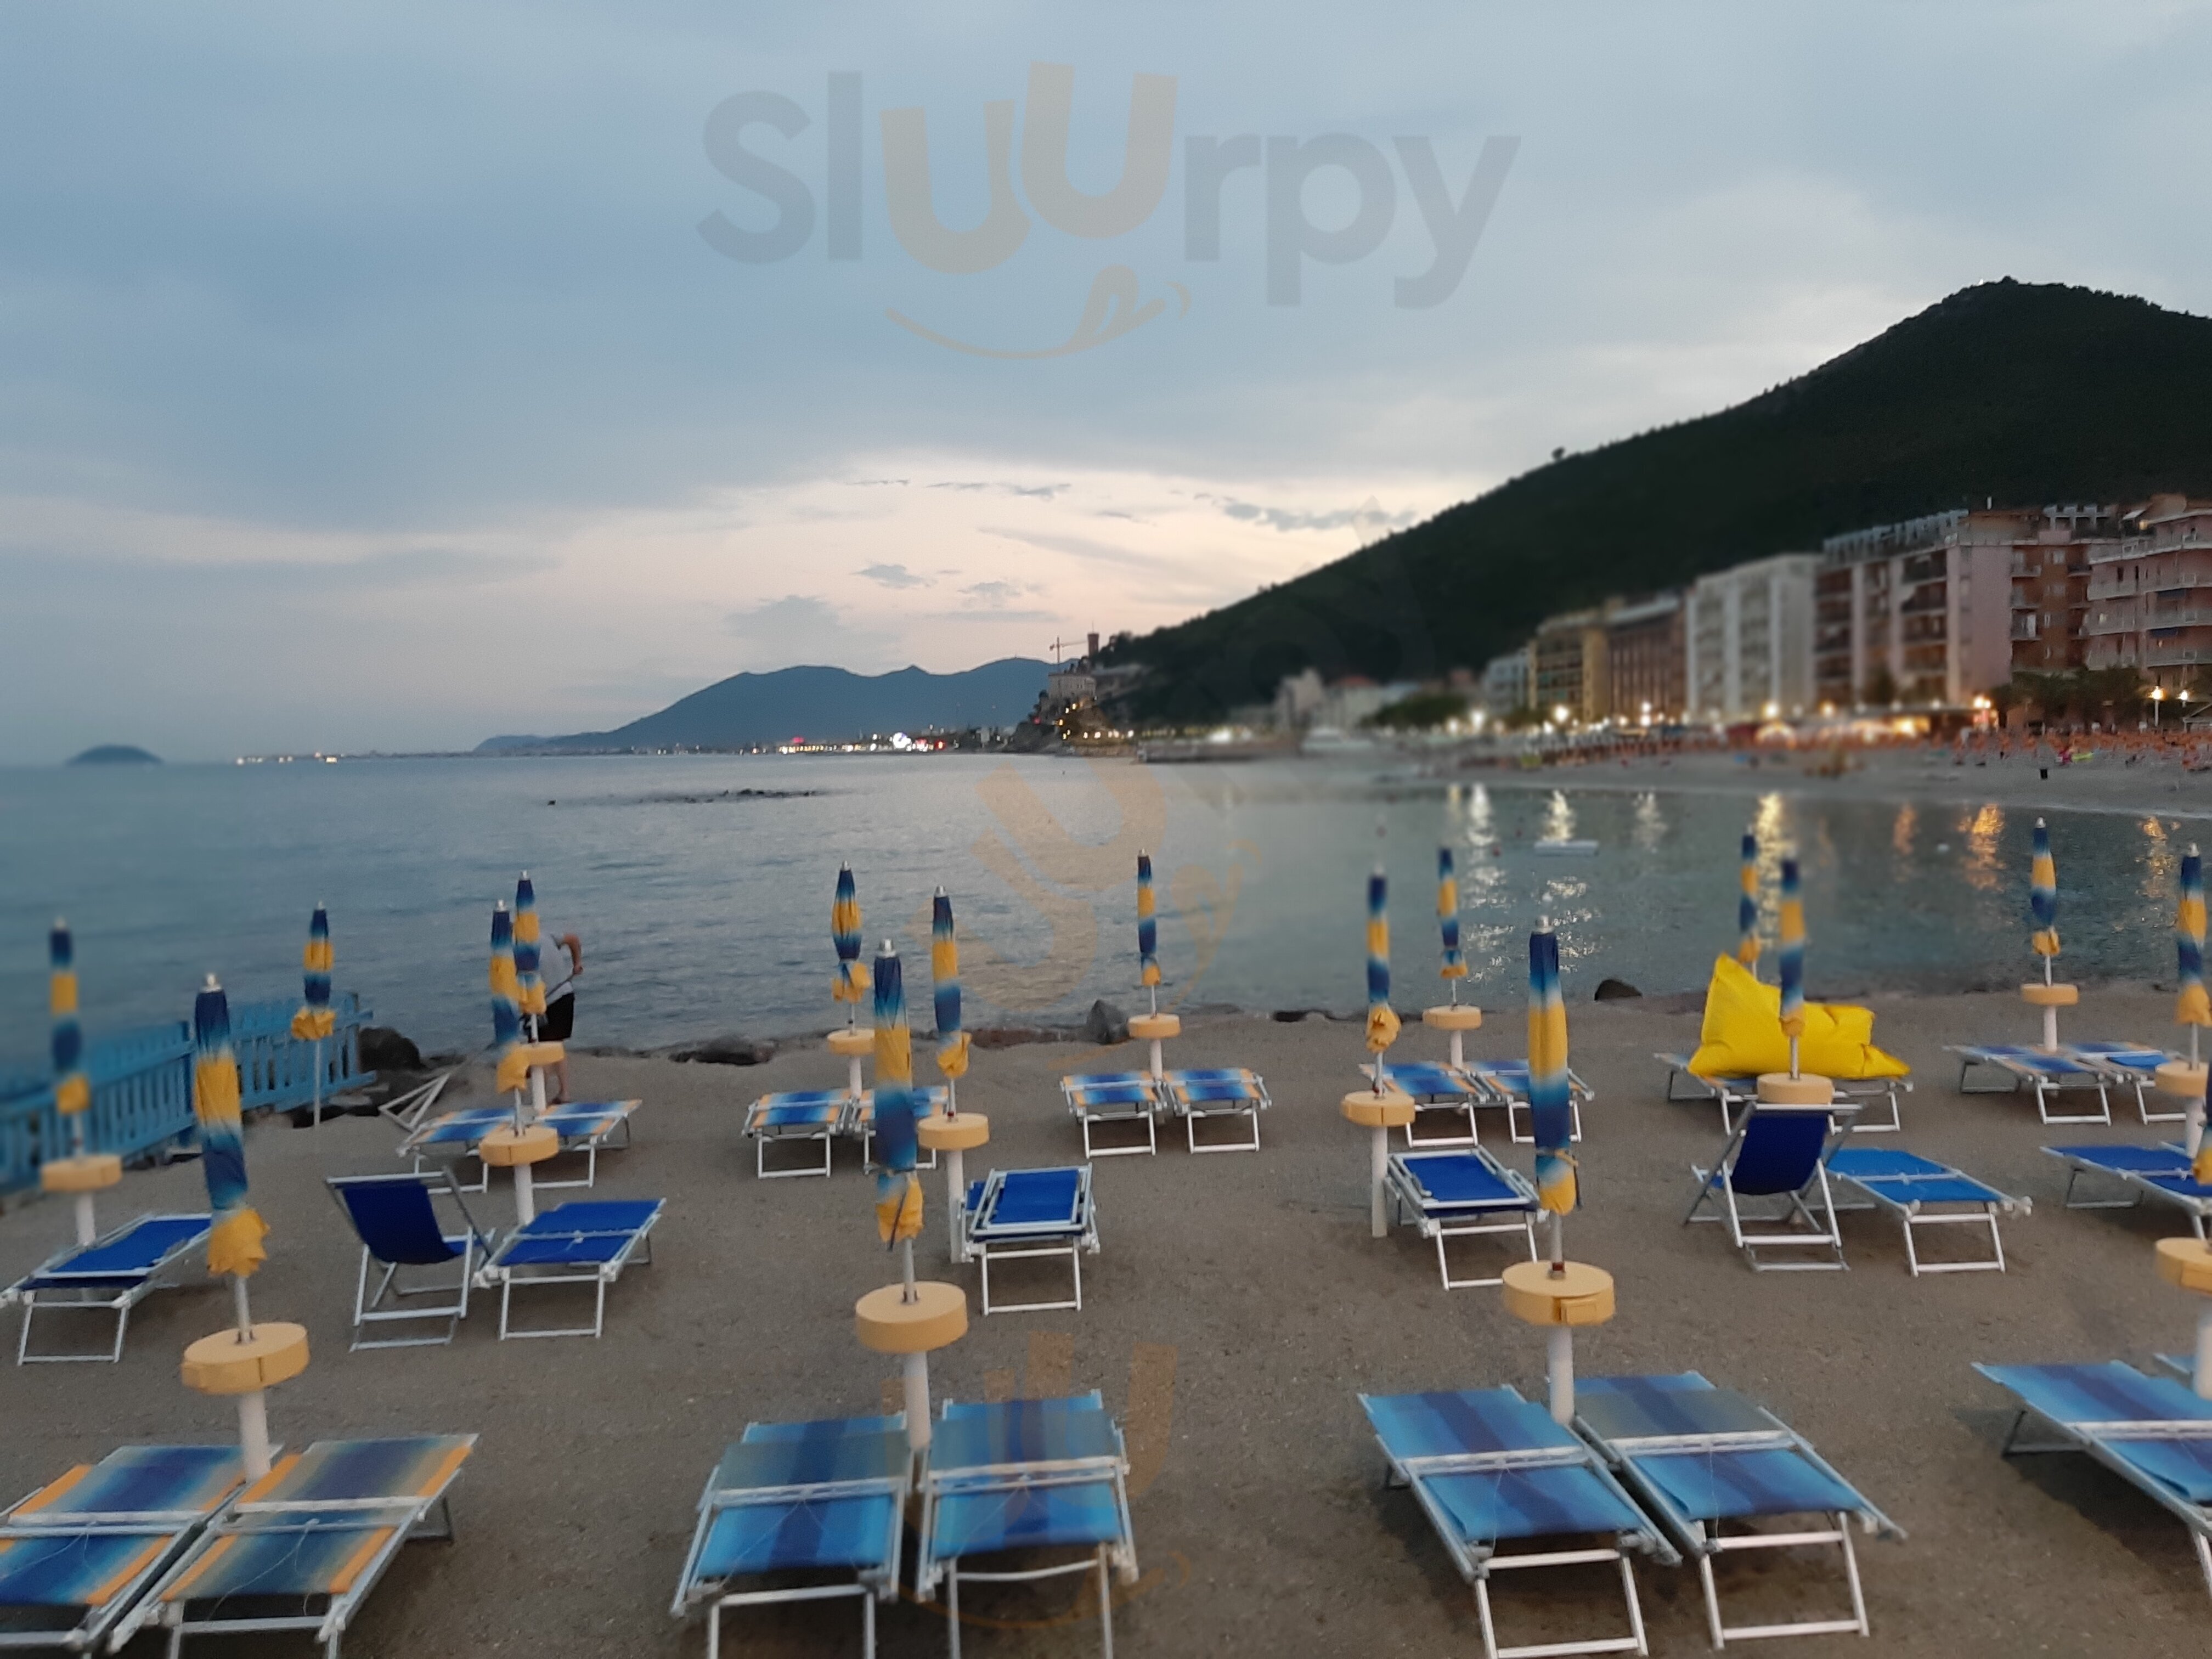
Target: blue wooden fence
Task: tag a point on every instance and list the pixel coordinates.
(142, 1084)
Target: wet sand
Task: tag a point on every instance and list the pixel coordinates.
(1238, 1305)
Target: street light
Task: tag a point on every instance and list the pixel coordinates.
(2157, 696)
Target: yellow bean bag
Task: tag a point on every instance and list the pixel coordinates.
(1742, 1034)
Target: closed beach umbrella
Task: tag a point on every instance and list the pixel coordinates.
(508, 1057)
(1454, 967)
(845, 933)
(1551, 1107)
(314, 1020)
(1746, 904)
(2191, 1007)
(1382, 1019)
(72, 1088)
(234, 1243)
(944, 985)
(529, 988)
(2042, 900)
(898, 1194)
(1793, 961)
(1148, 931)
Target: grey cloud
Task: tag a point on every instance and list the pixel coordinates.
(1035, 492)
(1369, 519)
(996, 592)
(892, 575)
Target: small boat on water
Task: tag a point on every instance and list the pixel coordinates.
(1565, 850)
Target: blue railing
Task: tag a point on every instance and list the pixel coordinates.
(142, 1084)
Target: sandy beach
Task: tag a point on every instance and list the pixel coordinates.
(1238, 1305)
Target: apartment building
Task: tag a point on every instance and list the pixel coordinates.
(1645, 653)
(2149, 594)
(2051, 575)
(1572, 666)
(1508, 683)
(1747, 639)
(1923, 608)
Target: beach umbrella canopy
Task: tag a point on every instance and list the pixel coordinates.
(944, 983)
(1550, 1104)
(1448, 916)
(2043, 897)
(845, 933)
(505, 1012)
(314, 1020)
(529, 988)
(1148, 933)
(72, 1088)
(1382, 1019)
(234, 1243)
(1793, 960)
(1746, 904)
(2200, 1167)
(898, 1194)
(2190, 1006)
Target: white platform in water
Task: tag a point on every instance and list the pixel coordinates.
(1566, 849)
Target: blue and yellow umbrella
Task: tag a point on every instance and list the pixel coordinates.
(314, 1020)
(2042, 900)
(2190, 1006)
(1551, 1104)
(72, 1088)
(851, 981)
(234, 1243)
(1746, 904)
(529, 988)
(898, 1192)
(1148, 931)
(1454, 965)
(1382, 1018)
(1792, 960)
(512, 1064)
(945, 986)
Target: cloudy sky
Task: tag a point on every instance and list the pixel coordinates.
(389, 377)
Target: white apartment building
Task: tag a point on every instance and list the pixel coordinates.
(1924, 606)
(1507, 682)
(1748, 640)
(2150, 595)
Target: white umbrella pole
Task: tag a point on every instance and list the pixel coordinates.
(319, 1083)
(87, 1225)
(2204, 1378)
(1559, 1370)
(1379, 1158)
(917, 1401)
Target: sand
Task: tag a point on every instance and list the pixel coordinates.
(1245, 1292)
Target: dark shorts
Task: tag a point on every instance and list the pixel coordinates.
(558, 1022)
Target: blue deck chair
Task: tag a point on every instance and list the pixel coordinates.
(1216, 1092)
(302, 1547)
(1922, 1192)
(1506, 1083)
(858, 1123)
(826, 1500)
(586, 1242)
(394, 1218)
(1488, 1468)
(585, 1126)
(1014, 1215)
(2134, 1066)
(1777, 1152)
(2050, 1074)
(800, 1114)
(2161, 1174)
(1461, 1194)
(111, 1274)
(1697, 1457)
(77, 1556)
(1096, 1097)
(1025, 1475)
(1732, 1092)
(1439, 1092)
(2150, 1431)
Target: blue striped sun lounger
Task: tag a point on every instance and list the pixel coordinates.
(302, 1547)
(1216, 1092)
(2134, 1066)
(1699, 1458)
(1096, 1097)
(795, 1114)
(1922, 1192)
(1731, 1092)
(1023, 1476)
(2150, 1431)
(585, 1127)
(589, 1242)
(1489, 1468)
(1506, 1083)
(2049, 1073)
(1441, 1093)
(1460, 1194)
(860, 1121)
(2161, 1174)
(111, 1274)
(1780, 1152)
(1014, 1215)
(77, 1556)
(824, 1501)
(2182, 1365)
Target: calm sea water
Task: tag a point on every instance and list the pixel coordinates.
(705, 911)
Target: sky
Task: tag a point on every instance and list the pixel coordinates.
(386, 378)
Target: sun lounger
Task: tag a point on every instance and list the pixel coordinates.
(583, 1126)
(1731, 1092)
(796, 1115)
(1439, 1092)
(1216, 1092)
(819, 1498)
(2158, 1173)
(2049, 1073)
(1458, 1194)
(111, 1274)
(405, 1112)
(1096, 1097)
(393, 1216)
(1922, 1192)
(1506, 1083)
(1697, 1457)
(76, 1557)
(1487, 1468)
(1025, 1475)
(1779, 1152)
(301, 1548)
(2133, 1066)
(1013, 1215)
(2150, 1431)
(859, 1120)
(586, 1242)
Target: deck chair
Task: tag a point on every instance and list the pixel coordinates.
(800, 1115)
(825, 1500)
(1778, 1152)
(859, 1122)
(1461, 1194)
(1025, 1475)
(1439, 1092)
(1697, 1457)
(1013, 1215)
(1731, 1092)
(112, 1274)
(1216, 1092)
(2161, 1174)
(1922, 1192)
(393, 1216)
(1096, 1097)
(1487, 1468)
(585, 1126)
(406, 1111)
(2150, 1431)
(1506, 1083)
(302, 1547)
(587, 1242)
(2134, 1066)
(2049, 1073)
(77, 1557)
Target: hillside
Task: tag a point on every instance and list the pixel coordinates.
(826, 704)
(2024, 393)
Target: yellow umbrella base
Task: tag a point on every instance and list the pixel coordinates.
(92, 1172)
(2186, 1263)
(887, 1323)
(2037, 994)
(1780, 1089)
(1583, 1295)
(1154, 1028)
(1453, 1017)
(852, 1044)
(939, 1134)
(1391, 1109)
(506, 1146)
(2178, 1077)
(222, 1364)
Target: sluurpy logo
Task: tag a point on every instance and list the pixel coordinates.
(1115, 306)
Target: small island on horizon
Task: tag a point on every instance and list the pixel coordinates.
(115, 754)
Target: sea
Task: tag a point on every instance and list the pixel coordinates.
(701, 885)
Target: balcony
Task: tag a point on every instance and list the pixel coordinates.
(2177, 653)
(2024, 628)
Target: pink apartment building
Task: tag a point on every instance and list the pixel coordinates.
(2150, 594)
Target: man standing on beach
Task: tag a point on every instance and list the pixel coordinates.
(558, 1022)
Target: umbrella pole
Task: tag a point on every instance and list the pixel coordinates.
(1793, 1057)
(1560, 1372)
(1558, 1245)
(319, 1083)
(239, 1302)
(905, 1272)
(87, 1225)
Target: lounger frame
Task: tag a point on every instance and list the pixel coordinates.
(1175, 1089)
(2015, 1061)
(986, 1240)
(2084, 1160)
(1913, 1213)
(1733, 1092)
(1439, 1219)
(638, 1244)
(128, 1288)
(1140, 1102)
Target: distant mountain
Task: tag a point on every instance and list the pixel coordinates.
(2021, 394)
(115, 754)
(824, 704)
